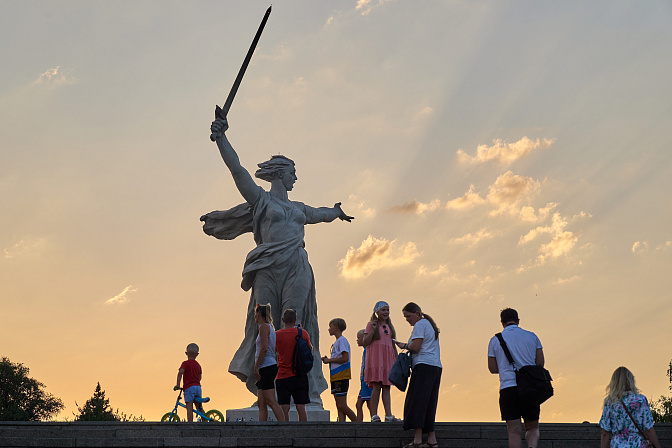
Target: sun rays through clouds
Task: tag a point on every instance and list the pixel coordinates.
(512, 218)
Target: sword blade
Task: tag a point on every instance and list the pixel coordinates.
(224, 110)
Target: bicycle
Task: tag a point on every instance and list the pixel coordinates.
(212, 415)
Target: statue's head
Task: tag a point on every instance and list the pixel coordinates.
(279, 167)
(274, 168)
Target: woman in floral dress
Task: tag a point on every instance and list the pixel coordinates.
(618, 429)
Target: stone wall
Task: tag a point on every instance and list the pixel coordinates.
(272, 434)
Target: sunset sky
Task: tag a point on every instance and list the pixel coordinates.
(494, 154)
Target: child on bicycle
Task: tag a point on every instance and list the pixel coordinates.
(191, 374)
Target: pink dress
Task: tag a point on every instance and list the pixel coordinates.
(379, 357)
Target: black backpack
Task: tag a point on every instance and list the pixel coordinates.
(302, 361)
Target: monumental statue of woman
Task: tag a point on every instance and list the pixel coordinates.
(277, 270)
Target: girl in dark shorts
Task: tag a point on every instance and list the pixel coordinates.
(265, 365)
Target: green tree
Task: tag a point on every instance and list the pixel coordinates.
(22, 398)
(662, 407)
(98, 409)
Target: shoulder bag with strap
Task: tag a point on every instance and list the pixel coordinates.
(534, 382)
(401, 370)
(641, 433)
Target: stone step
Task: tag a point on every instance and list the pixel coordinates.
(292, 434)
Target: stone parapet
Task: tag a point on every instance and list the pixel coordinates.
(281, 435)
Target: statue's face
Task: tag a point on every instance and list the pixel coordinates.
(288, 177)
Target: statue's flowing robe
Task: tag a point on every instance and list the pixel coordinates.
(277, 273)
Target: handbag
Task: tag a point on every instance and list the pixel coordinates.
(401, 370)
(534, 382)
(641, 433)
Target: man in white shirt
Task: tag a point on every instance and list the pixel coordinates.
(525, 349)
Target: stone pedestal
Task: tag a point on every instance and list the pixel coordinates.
(251, 414)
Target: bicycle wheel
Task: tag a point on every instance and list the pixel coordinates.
(215, 415)
(166, 417)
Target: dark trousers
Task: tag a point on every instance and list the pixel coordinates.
(422, 397)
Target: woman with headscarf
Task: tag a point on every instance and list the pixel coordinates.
(277, 270)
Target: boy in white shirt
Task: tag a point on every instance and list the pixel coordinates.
(339, 369)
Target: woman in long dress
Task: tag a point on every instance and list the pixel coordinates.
(277, 270)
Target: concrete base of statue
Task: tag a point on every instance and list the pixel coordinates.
(315, 414)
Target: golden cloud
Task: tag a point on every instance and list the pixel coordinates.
(361, 207)
(562, 281)
(374, 254)
(423, 271)
(122, 297)
(55, 76)
(468, 200)
(557, 226)
(27, 247)
(471, 239)
(562, 242)
(417, 207)
(504, 153)
(365, 6)
(640, 246)
(507, 196)
(509, 189)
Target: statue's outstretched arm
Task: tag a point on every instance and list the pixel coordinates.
(326, 214)
(244, 182)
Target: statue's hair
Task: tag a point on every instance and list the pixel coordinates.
(192, 348)
(271, 168)
(622, 381)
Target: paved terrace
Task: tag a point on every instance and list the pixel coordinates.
(273, 434)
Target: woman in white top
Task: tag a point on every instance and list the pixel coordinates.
(265, 365)
(423, 390)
